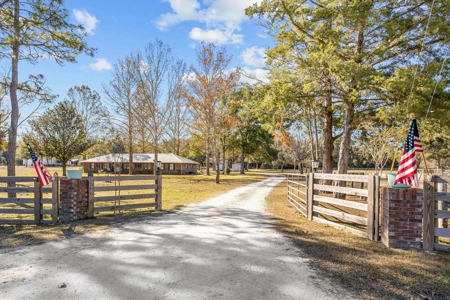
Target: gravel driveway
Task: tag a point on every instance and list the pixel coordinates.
(223, 248)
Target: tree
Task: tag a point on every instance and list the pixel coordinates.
(30, 30)
(59, 133)
(378, 144)
(355, 45)
(121, 93)
(91, 109)
(94, 114)
(248, 134)
(205, 88)
(159, 78)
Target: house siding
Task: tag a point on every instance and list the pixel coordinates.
(143, 168)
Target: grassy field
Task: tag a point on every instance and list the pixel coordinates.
(178, 191)
(368, 269)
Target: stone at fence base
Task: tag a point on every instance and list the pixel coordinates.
(401, 218)
(73, 199)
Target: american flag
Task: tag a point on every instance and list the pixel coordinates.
(407, 171)
(43, 175)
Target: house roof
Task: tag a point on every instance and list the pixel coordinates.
(165, 158)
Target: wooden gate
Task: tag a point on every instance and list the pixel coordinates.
(109, 193)
(297, 192)
(32, 204)
(436, 215)
(332, 199)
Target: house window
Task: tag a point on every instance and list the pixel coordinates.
(187, 166)
(92, 166)
(171, 167)
(192, 166)
(138, 165)
(125, 166)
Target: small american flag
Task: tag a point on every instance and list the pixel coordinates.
(407, 171)
(43, 175)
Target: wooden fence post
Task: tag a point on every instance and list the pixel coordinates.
(37, 202)
(377, 208)
(55, 198)
(159, 190)
(310, 196)
(428, 214)
(90, 212)
(370, 206)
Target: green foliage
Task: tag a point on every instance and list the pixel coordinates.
(59, 133)
(228, 170)
(350, 61)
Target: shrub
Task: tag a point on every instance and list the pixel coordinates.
(228, 170)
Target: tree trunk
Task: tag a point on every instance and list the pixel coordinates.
(344, 151)
(207, 156)
(64, 167)
(12, 132)
(155, 163)
(242, 161)
(223, 156)
(130, 150)
(328, 143)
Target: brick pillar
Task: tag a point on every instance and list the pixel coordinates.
(73, 199)
(401, 218)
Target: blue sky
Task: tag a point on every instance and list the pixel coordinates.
(118, 28)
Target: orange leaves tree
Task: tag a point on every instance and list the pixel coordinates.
(209, 82)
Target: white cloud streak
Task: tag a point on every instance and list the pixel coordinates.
(254, 56)
(100, 65)
(88, 21)
(222, 18)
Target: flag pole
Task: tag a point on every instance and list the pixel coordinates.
(393, 161)
(423, 155)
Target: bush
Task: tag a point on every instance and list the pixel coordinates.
(101, 171)
(227, 170)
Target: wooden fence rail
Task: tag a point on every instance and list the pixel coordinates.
(434, 203)
(23, 209)
(124, 201)
(297, 191)
(334, 200)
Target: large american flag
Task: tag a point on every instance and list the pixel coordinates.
(43, 175)
(407, 171)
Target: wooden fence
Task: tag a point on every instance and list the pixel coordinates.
(297, 192)
(116, 196)
(32, 203)
(332, 199)
(435, 211)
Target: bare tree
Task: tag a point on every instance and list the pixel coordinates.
(160, 80)
(94, 114)
(178, 125)
(210, 81)
(88, 104)
(121, 93)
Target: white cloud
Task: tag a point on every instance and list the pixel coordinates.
(88, 21)
(216, 36)
(253, 76)
(218, 15)
(254, 56)
(100, 65)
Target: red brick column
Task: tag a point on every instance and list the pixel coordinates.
(73, 199)
(401, 218)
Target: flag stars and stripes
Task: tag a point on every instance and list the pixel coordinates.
(407, 171)
(44, 177)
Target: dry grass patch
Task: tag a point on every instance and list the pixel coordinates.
(178, 191)
(366, 268)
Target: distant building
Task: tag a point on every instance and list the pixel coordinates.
(142, 164)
